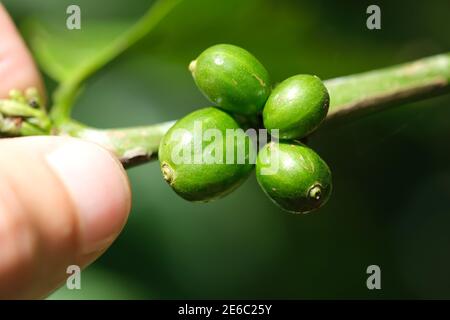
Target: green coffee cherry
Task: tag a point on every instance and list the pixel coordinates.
(296, 106)
(231, 78)
(293, 176)
(200, 160)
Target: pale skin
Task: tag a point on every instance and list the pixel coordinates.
(63, 201)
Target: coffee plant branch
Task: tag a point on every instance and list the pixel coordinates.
(350, 96)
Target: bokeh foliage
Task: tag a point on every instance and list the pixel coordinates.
(391, 201)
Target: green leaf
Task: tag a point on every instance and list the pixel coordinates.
(60, 51)
(72, 56)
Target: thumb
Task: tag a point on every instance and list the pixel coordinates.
(62, 202)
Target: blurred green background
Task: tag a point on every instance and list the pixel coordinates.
(391, 201)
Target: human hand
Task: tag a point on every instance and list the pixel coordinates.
(63, 201)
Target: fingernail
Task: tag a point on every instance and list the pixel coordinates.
(98, 187)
